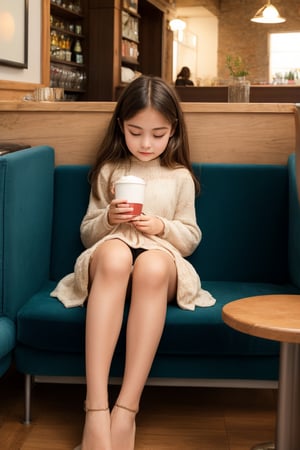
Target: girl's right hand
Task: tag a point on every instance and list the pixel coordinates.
(119, 212)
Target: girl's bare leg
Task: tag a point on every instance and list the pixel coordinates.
(110, 270)
(153, 285)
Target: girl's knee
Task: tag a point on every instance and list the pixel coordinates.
(112, 258)
(153, 267)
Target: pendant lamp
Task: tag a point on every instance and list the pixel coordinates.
(177, 25)
(268, 14)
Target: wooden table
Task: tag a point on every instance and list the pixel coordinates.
(276, 317)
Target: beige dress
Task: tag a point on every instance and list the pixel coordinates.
(169, 195)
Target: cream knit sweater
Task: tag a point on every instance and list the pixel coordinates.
(169, 195)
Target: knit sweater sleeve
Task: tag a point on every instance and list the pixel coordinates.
(95, 225)
(182, 231)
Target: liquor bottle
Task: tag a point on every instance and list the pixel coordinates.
(77, 52)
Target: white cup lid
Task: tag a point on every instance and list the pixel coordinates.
(130, 179)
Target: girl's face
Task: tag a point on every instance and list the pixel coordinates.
(147, 134)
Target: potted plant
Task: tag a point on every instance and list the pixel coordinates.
(238, 87)
(236, 66)
(290, 77)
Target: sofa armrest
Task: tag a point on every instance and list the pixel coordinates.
(26, 209)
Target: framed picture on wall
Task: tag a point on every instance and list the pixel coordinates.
(14, 33)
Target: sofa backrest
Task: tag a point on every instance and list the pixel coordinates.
(71, 195)
(294, 224)
(243, 214)
(242, 211)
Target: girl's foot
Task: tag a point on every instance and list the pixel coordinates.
(96, 433)
(123, 427)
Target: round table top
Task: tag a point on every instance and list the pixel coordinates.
(275, 317)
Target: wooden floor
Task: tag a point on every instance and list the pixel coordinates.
(170, 418)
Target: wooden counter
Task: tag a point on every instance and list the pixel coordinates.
(218, 132)
(258, 93)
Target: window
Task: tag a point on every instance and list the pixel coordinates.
(184, 52)
(284, 58)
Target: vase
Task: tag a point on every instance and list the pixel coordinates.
(238, 90)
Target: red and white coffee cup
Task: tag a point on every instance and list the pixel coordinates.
(132, 189)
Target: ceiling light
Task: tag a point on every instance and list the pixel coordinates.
(177, 25)
(268, 14)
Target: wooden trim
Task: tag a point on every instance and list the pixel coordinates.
(16, 106)
(223, 133)
(241, 108)
(188, 107)
(16, 85)
(45, 47)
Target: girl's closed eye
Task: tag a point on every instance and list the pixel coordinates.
(155, 136)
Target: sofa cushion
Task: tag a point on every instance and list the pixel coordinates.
(45, 324)
(204, 331)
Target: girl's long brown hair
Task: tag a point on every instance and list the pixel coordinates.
(143, 92)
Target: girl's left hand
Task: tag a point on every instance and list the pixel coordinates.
(148, 224)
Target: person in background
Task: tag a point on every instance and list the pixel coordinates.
(138, 259)
(183, 77)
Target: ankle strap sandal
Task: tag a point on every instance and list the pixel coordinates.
(133, 411)
(86, 409)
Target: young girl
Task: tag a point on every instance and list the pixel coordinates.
(141, 256)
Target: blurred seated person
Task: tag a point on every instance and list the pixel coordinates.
(183, 78)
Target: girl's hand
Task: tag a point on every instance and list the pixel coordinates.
(148, 224)
(119, 212)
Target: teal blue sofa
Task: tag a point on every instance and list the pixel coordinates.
(19, 180)
(250, 219)
(7, 342)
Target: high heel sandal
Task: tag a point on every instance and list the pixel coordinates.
(86, 410)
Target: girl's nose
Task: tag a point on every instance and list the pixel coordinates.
(146, 142)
